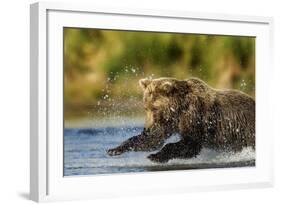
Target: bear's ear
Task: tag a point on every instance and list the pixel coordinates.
(144, 83)
(167, 86)
(176, 87)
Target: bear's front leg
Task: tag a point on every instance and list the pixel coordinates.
(148, 140)
(125, 146)
(182, 150)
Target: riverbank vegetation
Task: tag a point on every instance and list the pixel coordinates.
(102, 67)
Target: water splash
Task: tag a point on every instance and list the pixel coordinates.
(85, 154)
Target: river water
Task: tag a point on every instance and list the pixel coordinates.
(85, 154)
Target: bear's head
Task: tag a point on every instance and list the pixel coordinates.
(162, 99)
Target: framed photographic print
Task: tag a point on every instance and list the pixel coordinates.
(127, 102)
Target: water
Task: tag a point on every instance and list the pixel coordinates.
(85, 154)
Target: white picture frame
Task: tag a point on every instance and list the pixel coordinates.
(46, 177)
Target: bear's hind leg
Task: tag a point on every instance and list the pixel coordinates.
(182, 150)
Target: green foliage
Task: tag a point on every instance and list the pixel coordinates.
(242, 48)
(99, 63)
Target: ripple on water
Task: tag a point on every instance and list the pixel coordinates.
(85, 154)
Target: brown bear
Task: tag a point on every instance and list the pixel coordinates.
(201, 115)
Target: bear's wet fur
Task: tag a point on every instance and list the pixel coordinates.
(220, 119)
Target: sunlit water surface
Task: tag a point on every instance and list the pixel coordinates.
(85, 154)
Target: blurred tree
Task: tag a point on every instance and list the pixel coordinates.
(100, 63)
